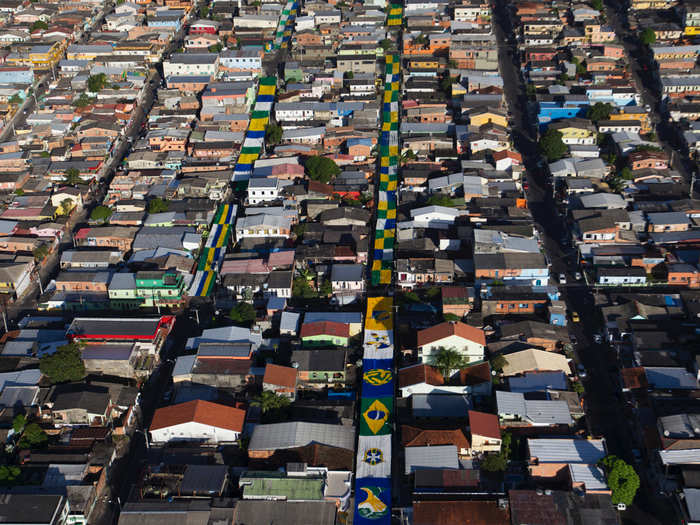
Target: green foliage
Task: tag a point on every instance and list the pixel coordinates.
(321, 169)
(97, 82)
(301, 288)
(66, 206)
(498, 462)
(552, 146)
(273, 133)
(530, 90)
(446, 85)
(648, 37)
(18, 423)
(439, 200)
(446, 360)
(101, 213)
(420, 40)
(45, 154)
(407, 155)
(204, 11)
(9, 474)
(15, 99)
(622, 479)
(597, 5)
(40, 252)
(626, 173)
(386, 44)
(274, 408)
(433, 292)
(349, 75)
(599, 111)
(578, 387)
(72, 177)
(216, 48)
(450, 317)
(83, 101)
(411, 297)
(19, 191)
(299, 229)
(498, 361)
(243, 313)
(326, 288)
(39, 24)
(157, 205)
(66, 364)
(33, 437)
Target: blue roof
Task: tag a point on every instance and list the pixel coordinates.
(335, 317)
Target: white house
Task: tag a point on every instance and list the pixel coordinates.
(347, 278)
(197, 421)
(241, 60)
(434, 216)
(194, 64)
(263, 225)
(467, 340)
(294, 111)
(264, 190)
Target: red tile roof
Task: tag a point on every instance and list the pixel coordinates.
(483, 424)
(415, 374)
(443, 330)
(280, 376)
(325, 328)
(634, 378)
(459, 512)
(527, 506)
(475, 374)
(204, 412)
(421, 437)
(458, 292)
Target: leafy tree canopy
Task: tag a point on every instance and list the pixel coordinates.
(599, 111)
(274, 408)
(39, 24)
(622, 479)
(66, 364)
(33, 437)
(97, 82)
(552, 145)
(321, 169)
(243, 313)
(101, 213)
(648, 37)
(447, 360)
(439, 200)
(302, 288)
(273, 133)
(157, 205)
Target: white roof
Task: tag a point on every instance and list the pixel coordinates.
(591, 476)
(671, 378)
(680, 457)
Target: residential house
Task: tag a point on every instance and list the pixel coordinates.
(197, 421)
(325, 333)
(320, 367)
(282, 380)
(485, 432)
(467, 340)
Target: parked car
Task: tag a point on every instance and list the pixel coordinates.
(575, 318)
(562, 278)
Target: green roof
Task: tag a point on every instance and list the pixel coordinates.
(291, 489)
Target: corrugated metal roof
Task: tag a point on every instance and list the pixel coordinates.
(441, 456)
(299, 434)
(555, 450)
(680, 457)
(590, 475)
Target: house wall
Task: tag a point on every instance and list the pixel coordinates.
(484, 444)
(471, 349)
(193, 431)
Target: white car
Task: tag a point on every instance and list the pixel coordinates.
(562, 278)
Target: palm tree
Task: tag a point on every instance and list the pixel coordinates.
(273, 407)
(72, 177)
(448, 359)
(407, 155)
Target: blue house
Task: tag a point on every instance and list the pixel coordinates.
(16, 75)
(551, 109)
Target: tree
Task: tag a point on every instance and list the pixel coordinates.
(204, 11)
(97, 82)
(39, 24)
(326, 288)
(243, 313)
(321, 169)
(66, 206)
(274, 408)
(597, 5)
(15, 99)
(83, 101)
(19, 191)
(72, 177)
(157, 205)
(450, 317)
(552, 145)
(498, 462)
(18, 423)
(65, 364)
(349, 75)
(301, 288)
(420, 40)
(101, 213)
(439, 200)
(216, 47)
(40, 252)
(9, 474)
(33, 437)
(273, 133)
(386, 44)
(648, 36)
(498, 362)
(622, 479)
(446, 85)
(446, 360)
(407, 155)
(626, 173)
(599, 111)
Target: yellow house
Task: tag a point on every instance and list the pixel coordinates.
(576, 131)
(649, 4)
(488, 116)
(692, 30)
(639, 115)
(424, 63)
(46, 56)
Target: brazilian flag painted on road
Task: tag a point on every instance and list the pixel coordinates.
(375, 416)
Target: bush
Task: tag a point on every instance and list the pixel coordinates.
(440, 200)
(243, 313)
